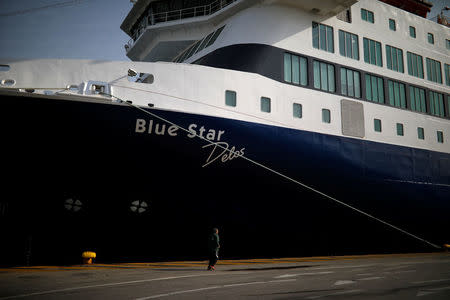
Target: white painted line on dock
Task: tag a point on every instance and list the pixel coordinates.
(212, 288)
(304, 274)
(179, 292)
(336, 294)
(100, 285)
(371, 278)
(432, 291)
(431, 281)
(343, 282)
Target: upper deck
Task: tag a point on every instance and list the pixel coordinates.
(189, 21)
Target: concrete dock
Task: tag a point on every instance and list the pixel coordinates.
(403, 276)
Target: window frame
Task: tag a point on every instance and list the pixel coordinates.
(400, 129)
(413, 31)
(372, 52)
(394, 59)
(430, 38)
(321, 38)
(440, 136)
(392, 25)
(326, 116)
(377, 125)
(344, 38)
(300, 110)
(268, 101)
(420, 133)
(321, 80)
(230, 92)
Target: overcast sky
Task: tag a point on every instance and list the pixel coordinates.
(88, 29)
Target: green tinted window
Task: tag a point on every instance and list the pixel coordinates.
(392, 25)
(377, 125)
(394, 58)
(415, 64)
(324, 77)
(372, 52)
(447, 74)
(265, 104)
(323, 37)
(230, 98)
(417, 99)
(326, 116)
(430, 38)
(397, 94)
(350, 83)
(440, 136)
(400, 129)
(420, 133)
(434, 72)
(374, 88)
(412, 31)
(436, 104)
(287, 67)
(367, 15)
(348, 44)
(295, 69)
(297, 110)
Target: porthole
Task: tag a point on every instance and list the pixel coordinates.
(8, 82)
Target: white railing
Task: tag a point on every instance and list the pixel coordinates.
(176, 15)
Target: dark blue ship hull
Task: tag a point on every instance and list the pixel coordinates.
(110, 156)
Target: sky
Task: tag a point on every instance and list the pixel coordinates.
(84, 29)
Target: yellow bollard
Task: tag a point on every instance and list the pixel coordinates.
(88, 256)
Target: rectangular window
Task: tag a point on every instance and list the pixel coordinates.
(437, 104)
(397, 94)
(215, 36)
(400, 129)
(434, 72)
(430, 38)
(326, 115)
(323, 37)
(324, 77)
(415, 64)
(394, 58)
(295, 69)
(392, 25)
(440, 136)
(265, 104)
(417, 99)
(374, 88)
(447, 44)
(412, 31)
(367, 15)
(297, 110)
(350, 83)
(230, 98)
(377, 125)
(345, 15)
(447, 74)
(348, 44)
(372, 52)
(420, 133)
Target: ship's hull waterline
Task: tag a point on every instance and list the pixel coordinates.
(113, 179)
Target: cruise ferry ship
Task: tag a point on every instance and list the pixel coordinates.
(296, 127)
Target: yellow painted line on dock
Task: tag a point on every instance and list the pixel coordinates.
(202, 264)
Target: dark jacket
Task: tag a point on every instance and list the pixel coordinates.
(213, 244)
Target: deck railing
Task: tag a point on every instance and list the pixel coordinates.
(176, 15)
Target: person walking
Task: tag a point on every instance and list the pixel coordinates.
(213, 249)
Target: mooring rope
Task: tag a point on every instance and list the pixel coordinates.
(278, 173)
